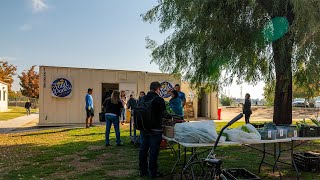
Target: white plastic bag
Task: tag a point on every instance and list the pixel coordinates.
(238, 135)
(196, 132)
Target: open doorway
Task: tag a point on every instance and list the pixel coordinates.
(107, 89)
(203, 104)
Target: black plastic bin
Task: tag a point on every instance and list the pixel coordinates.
(239, 174)
(306, 131)
(307, 161)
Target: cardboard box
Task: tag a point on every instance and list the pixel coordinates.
(169, 131)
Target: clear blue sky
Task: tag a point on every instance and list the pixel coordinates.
(78, 33)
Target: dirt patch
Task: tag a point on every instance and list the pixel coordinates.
(266, 113)
(82, 164)
(94, 148)
(120, 173)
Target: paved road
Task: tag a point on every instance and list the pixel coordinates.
(7, 126)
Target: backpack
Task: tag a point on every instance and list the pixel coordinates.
(143, 119)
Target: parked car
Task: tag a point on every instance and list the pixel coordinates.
(300, 102)
(317, 102)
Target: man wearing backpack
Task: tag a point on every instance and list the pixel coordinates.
(151, 133)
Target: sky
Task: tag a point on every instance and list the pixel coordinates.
(106, 34)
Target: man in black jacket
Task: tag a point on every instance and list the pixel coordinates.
(247, 108)
(150, 140)
(28, 106)
(132, 103)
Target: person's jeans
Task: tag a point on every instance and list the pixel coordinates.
(28, 111)
(115, 121)
(149, 142)
(123, 114)
(247, 118)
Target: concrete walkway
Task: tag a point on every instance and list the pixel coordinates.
(7, 126)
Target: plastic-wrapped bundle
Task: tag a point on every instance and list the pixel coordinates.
(245, 134)
(196, 132)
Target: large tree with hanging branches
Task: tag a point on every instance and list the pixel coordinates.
(215, 42)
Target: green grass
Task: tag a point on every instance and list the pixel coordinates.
(81, 154)
(14, 113)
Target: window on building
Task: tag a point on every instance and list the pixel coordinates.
(4, 95)
(0, 94)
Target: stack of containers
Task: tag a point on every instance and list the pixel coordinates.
(271, 132)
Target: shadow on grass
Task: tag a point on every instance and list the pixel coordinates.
(47, 132)
(90, 134)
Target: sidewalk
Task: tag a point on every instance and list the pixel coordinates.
(7, 126)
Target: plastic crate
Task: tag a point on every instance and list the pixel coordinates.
(307, 161)
(292, 131)
(309, 131)
(239, 173)
(268, 134)
(282, 133)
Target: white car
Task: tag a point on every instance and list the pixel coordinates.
(300, 102)
(317, 102)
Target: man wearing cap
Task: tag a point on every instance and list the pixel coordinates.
(89, 108)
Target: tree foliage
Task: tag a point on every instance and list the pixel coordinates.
(29, 82)
(214, 42)
(16, 95)
(7, 71)
(268, 93)
(297, 92)
(226, 101)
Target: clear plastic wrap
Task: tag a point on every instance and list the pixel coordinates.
(196, 132)
(245, 134)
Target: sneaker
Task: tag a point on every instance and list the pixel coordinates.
(107, 145)
(91, 125)
(87, 126)
(120, 144)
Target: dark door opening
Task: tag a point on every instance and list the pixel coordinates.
(107, 89)
(202, 104)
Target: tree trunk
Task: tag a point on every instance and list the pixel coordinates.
(282, 55)
(283, 91)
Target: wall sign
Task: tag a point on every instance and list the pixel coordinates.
(61, 87)
(166, 87)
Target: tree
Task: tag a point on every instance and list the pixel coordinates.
(226, 101)
(269, 90)
(215, 41)
(15, 95)
(297, 92)
(7, 71)
(29, 82)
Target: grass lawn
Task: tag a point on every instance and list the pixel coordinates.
(81, 154)
(14, 113)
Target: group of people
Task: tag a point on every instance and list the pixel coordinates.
(114, 109)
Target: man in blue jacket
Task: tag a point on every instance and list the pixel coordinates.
(89, 108)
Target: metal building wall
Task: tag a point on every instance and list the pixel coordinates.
(63, 111)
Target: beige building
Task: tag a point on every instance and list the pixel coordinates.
(63, 90)
(205, 105)
(3, 97)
